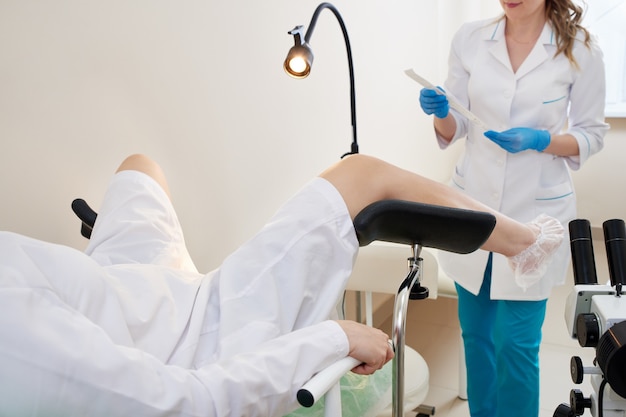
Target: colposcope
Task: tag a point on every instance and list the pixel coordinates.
(595, 314)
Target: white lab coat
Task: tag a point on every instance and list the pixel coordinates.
(547, 93)
(129, 330)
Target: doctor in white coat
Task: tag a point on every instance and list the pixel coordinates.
(540, 89)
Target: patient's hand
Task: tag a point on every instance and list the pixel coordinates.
(367, 344)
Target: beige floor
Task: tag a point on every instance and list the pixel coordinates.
(433, 330)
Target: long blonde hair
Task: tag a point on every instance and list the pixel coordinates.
(565, 17)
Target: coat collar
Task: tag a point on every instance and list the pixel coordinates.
(494, 34)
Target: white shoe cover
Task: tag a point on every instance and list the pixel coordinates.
(531, 264)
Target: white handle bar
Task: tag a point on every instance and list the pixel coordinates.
(321, 382)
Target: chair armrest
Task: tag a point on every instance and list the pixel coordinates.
(324, 380)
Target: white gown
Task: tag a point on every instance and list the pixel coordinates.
(130, 328)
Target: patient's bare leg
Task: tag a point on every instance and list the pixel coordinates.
(142, 163)
(362, 180)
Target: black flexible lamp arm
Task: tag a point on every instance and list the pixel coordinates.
(296, 32)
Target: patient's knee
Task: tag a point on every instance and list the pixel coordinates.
(145, 164)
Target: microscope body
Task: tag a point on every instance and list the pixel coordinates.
(590, 311)
(596, 316)
(593, 299)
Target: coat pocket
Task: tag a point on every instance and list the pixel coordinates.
(557, 201)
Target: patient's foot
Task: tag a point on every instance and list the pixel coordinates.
(531, 264)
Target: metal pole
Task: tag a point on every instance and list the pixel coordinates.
(401, 304)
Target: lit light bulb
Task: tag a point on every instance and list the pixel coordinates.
(297, 65)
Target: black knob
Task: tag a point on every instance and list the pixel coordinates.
(563, 410)
(587, 330)
(418, 292)
(576, 369)
(578, 402)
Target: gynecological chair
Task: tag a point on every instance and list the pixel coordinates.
(417, 226)
(399, 222)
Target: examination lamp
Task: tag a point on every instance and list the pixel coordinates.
(300, 58)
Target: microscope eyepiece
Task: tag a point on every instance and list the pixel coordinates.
(615, 241)
(581, 246)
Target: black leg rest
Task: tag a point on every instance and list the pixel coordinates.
(444, 228)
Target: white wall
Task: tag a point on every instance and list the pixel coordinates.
(199, 86)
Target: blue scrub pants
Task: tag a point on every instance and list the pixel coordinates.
(501, 341)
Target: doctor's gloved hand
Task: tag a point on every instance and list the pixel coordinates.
(433, 102)
(520, 139)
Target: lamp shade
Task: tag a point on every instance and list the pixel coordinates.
(299, 60)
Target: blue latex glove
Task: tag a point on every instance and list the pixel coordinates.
(434, 103)
(520, 139)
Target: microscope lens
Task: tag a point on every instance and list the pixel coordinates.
(611, 356)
